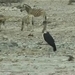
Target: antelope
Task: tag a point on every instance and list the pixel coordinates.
(33, 11)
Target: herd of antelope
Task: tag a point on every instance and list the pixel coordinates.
(33, 12)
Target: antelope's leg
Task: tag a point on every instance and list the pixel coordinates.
(4, 24)
(22, 25)
(27, 27)
(32, 21)
(45, 17)
(0, 26)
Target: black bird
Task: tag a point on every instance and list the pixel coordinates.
(49, 39)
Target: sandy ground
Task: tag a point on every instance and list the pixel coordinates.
(21, 54)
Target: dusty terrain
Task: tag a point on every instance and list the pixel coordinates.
(21, 54)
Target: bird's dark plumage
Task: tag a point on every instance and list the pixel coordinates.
(49, 39)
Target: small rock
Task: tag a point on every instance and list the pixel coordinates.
(31, 35)
(12, 44)
(1, 59)
(5, 38)
(71, 58)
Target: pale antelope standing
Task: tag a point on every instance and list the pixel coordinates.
(25, 20)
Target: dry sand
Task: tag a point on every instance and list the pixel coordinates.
(21, 54)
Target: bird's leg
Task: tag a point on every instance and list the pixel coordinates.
(44, 28)
(49, 53)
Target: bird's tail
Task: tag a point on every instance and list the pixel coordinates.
(54, 48)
